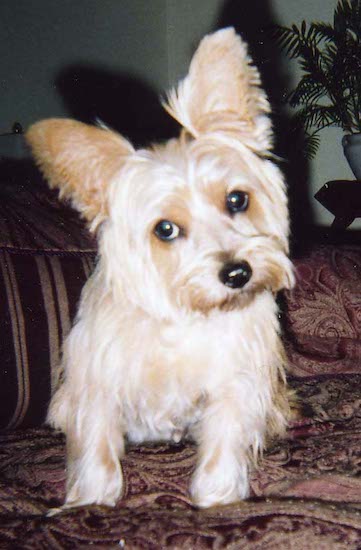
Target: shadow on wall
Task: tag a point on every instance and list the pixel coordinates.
(132, 108)
(253, 21)
(123, 102)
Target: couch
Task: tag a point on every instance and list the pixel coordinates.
(307, 491)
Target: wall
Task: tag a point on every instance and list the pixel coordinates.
(187, 22)
(40, 38)
(149, 41)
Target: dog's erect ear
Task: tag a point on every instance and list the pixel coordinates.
(222, 92)
(80, 160)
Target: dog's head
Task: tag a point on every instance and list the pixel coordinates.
(199, 222)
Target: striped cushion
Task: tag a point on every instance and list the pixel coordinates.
(33, 218)
(46, 255)
(39, 295)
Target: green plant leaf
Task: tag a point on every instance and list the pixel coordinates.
(311, 145)
(329, 55)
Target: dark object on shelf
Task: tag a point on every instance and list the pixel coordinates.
(343, 199)
(17, 128)
(12, 144)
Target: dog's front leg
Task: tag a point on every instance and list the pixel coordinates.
(230, 426)
(94, 442)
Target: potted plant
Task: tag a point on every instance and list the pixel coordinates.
(329, 90)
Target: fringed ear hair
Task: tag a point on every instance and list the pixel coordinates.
(222, 92)
(79, 160)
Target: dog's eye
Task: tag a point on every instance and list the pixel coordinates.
(166, 230)
(237, 201)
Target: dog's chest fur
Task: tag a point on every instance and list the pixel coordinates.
(165, 391)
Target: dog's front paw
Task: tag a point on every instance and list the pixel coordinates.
(219, 485)
(99, 484)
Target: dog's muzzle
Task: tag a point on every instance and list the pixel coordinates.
(236, 275)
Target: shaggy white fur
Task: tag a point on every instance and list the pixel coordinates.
(177, 331)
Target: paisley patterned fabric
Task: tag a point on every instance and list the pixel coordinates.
(323, 317)
(306, 493)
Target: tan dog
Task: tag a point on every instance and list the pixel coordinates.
(177, 331)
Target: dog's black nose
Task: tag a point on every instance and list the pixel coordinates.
(236, 275)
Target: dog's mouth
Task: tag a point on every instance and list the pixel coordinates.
(231, 302)
(235, 300)
(235, 294)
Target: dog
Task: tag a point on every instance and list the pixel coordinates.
(177, 333)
